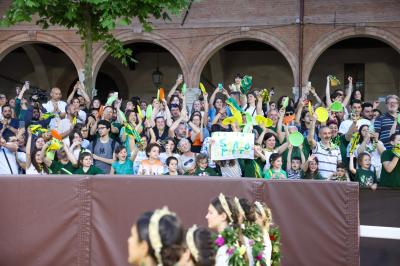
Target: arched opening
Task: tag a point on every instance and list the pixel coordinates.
(43, 65)
(373, 64)
(268, 67)
(138, 79)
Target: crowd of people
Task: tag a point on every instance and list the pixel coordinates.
(342, 137)
(239, 233)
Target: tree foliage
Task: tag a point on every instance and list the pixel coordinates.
(94, 20)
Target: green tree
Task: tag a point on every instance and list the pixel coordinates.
(94, 21)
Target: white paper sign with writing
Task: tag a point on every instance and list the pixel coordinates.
(232, 145)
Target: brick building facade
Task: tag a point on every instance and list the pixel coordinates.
(300, 30)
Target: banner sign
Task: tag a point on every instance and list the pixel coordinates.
(232, 145)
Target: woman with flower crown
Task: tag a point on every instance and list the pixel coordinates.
(221, 218)
(199, 250)
(156, 239)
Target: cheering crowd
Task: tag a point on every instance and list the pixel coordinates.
(336, 137)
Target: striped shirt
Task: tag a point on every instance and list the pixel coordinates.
(327, 159)
(382, 125)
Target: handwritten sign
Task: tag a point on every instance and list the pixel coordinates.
(232, 145)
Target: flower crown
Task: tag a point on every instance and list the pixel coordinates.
(225, 206)
(154, 233)
(190, 243)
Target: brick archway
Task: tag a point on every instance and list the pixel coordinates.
(100, 55)
(21, 39)
(328, 39)
(213, 46)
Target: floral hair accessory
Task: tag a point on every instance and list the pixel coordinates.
(239, 207)
(154, 234)
(190, 243)
(260, 209)
(225, 206)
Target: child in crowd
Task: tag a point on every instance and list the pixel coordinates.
(86, 166)
(293, 165)
(341, 173)
(275, 171)
(202, 168)
(363, 175)
(310, 169)
(172, 164)
(122, 166)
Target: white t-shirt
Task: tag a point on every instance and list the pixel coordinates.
(4, 166)
(31, 170)
(345, 125)
(50, 107)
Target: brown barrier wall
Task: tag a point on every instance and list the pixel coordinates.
(72, 220)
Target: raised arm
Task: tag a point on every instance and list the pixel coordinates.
(81, 89)
(205, 116)
(43, 156)
(71, 95)
(348, 92)
(212, 98)
(173, 89)
(281, 135)
(289, 158)
(259, 109)
(351, 164)
(310, 137)
(28, 149)
(328, 91)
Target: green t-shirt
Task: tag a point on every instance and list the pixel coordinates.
(275, 174)
(343, 143)
(316, 176)
(125, 168)
(365, 177)
(390, 179)
(57, 168)
(206, 172)
(93, 170)
(249, 167)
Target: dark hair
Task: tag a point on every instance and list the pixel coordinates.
(6, 105)
(216, 203)
(200, 157)
(361, 156)
(171, 234)
(150, 147)
(72, 134)
(38, 167)
(82, 156)
(169, 159)
(238, 75)
(341, 165)
(359, 132)
(203, 239)
(195, 113)
(119, 148)
(377, 110)
(366, 105)
(352, 97)
(268, 135)
(249, 210)
(296, 158)
(393, 136)
(274, 157)
(356, 101)
(104, 123)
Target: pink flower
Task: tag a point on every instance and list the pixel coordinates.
(251, 242)
(220, 241)
(259, 256)
(230, 251)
